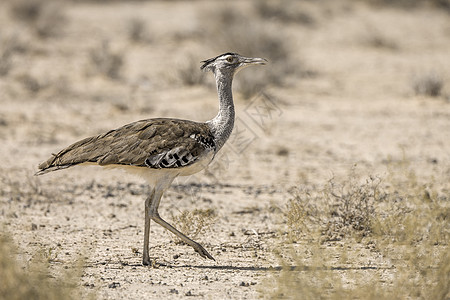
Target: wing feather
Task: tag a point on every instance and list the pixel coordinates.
(154, 143)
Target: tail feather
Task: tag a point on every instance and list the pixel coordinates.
(77, 153)
(51, 169)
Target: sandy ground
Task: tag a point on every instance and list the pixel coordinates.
(358, 108)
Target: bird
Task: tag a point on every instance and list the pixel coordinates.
(161, 149)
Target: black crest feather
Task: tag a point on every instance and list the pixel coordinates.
(208, 61)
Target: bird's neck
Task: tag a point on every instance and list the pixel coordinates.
(222, 125)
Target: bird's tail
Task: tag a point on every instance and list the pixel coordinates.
(43, 171)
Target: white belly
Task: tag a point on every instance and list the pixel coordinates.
(164, 176)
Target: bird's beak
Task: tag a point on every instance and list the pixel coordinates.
(254, 61)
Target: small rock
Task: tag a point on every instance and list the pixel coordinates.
(433, 161)
(283, 151)
(89, 285)
(114, 285)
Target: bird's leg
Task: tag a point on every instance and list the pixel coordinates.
(148, 202)
(154, 215)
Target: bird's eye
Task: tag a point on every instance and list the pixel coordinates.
(230, 59)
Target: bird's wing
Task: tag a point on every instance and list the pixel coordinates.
(154, 143)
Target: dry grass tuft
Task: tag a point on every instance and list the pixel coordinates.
(35, 280)
(137, 31)
(341, 209)
(46, 18)
(10, 46)
(5, 62)
(192, 223)
(105, 61)
(283, 11)
(376, 39)
(300, 212)
(312, 281)
(430, 84)
(424, 275)
(400, 219)
(30, 83)
(409, 4)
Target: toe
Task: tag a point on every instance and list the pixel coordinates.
(203, 253)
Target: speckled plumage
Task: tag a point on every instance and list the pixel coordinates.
(154, 143)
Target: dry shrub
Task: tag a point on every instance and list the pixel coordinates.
(340, 209)
(414, 230)
(105, 61)
(33, 281)
(314, 280)
(301, 212)
(137, 31)
(418, 242)
(30, 83)
(192, 223)
(425, 275)
(285, 11)
(10, 45)
(45, 17)
(296, 218)
(376, 39)
(408, 4)
(51, 20)
(400, 219)
(350, 207)
(430, 84)
(413, 225)
(416, 212)
(5, 62)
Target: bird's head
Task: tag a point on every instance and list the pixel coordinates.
(230, 62)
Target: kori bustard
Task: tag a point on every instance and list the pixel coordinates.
(161, 149)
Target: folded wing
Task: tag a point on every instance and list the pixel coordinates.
(154, 143)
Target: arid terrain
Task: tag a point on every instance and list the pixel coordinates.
(335, 183)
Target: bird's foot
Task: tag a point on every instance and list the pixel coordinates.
(150, 262)
(203, 253)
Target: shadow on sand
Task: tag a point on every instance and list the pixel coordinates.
(240, 268)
